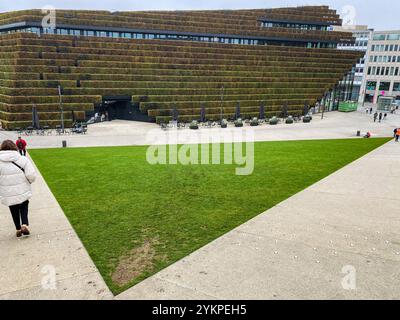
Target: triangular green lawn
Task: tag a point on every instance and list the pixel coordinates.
(117, 202)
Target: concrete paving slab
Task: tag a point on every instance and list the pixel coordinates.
(90, 287)
(163, 290)
(53, 250)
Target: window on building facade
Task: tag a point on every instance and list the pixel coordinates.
(369, 70)
(396, 71)
(379, 36)
(378, 71)
(373, 70)
(384, 86)
(393, 36)
(371, 85)
(396, 86)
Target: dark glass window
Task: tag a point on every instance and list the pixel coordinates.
(384, 86)
(371, 85)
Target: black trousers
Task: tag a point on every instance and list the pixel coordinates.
(19, 214)
(22, 152)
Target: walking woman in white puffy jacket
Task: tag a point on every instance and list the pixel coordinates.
(16, 175)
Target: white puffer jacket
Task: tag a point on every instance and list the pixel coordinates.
(15, 185)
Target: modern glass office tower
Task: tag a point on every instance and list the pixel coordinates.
(151, 66)
(362, 34)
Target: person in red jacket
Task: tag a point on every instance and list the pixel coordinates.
(21, 145)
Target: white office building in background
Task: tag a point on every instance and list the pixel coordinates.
(382, 68)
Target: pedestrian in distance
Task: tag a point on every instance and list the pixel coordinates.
(380, 117)
(384, 116)
(370, 110)
(21, 144)
(375, 116)
(397, 136)
(367, 135)
(16, 176)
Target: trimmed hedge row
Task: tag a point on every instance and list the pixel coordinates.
(43, 116)
(163, 92)
(233, 97)
(195, 76)
(158, 67)
(36, 83)
(48, 99)
(211, 111)
(124, 56)
(12, 125)
(19, 76)
(146, 106)
(134, 61)
(185, 83)
(46, 107)
(152, 75)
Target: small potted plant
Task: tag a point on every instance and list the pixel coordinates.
(289, 120)
(254, 122)
(273, 121)
(238, 123)
(307, 119)
(194, 125)
(224, 123)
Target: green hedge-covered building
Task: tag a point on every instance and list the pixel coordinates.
(147, 65)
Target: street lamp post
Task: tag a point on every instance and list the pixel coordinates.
(61, 108)
(222, 101)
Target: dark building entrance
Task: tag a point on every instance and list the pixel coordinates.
(117, 107)
(120, 108)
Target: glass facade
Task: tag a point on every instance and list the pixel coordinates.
(142, 35)
(300, 26)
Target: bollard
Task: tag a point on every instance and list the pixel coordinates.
(64, 144)
(358, 133)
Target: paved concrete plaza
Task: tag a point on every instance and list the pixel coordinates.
(335, 125)
(297, 249)
(54, 249)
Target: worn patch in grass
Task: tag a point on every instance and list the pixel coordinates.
(134, 263)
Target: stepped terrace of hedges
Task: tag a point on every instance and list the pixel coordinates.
(159, 75)
(225, 22)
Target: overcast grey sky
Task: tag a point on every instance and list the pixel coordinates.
(380, 15)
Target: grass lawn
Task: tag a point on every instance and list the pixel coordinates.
(135, 219)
